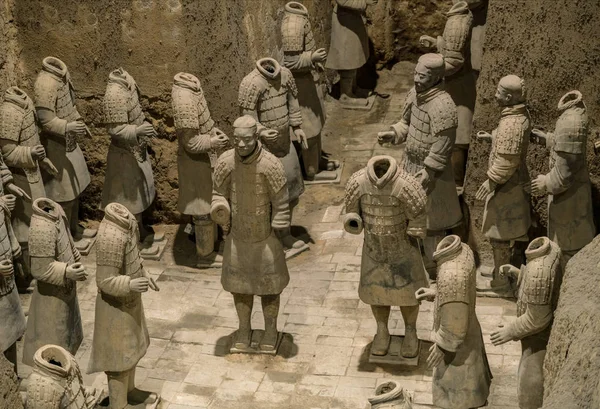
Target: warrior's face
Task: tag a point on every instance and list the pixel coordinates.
(503, 97)
(424, 78)
(245, 140)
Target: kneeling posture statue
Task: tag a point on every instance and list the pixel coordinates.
(250, 194)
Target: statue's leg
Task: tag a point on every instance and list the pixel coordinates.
(117, 389)
(285, 235)
(347, 80)
(205, 242)
(501, 252)
(381, 341)
(270, 306)
(459, 164)
(243, 306)
(71, 209)
(311, 157)
(410, 345)
(11, 355)
(137, 396)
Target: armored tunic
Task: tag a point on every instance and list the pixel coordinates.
(269, 94)
(54, 316)
(570, 212)
(539, 285)
(254, 188)
(120, 333)
(506, 216)
(463, 378)
(389, 201)
(195, 156)
(128, 179)
(349, 48)
(55, 106)
(429, 127)
(18, 135)
(298, 47)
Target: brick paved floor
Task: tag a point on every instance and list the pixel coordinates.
(323, 358)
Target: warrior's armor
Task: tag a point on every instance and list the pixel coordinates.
(55, 106)
(429, 125)
(570, 212)
(57, 383)
(54, 313)
(297, 38)
(454, 44)
(387, 202)
(253, 188)
(269, 94)
(457, 330)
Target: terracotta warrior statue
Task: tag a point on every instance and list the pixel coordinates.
(120, 334)
(390, 204)
(539, 284)
(304, 60)
(128, 179)
(507, 216)
(13, 320)
(250, 195)
(269, 94)
(349, 48)
(61, 126)
(200, 143)
(57, 383)
(460, 77)
(390, 395)
(570, 212)
(428, 126)
(54, 316)
(461, 373)
(26, 158)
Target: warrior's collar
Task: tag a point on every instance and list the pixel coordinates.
(296, 8)
(47, 209)
(431, 93)
(189, 81)
(537, 248)
(56, 67)
(53, 360)
(18, 97)
(459, 8)
(246, 160)
(517, 109)
(569, 100)
(119, 215)
(378, 162)
(122, 77)
(269, 68)
(449, 248)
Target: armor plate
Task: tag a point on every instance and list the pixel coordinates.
(190, 109)
(296, 31)
(456, 31)
(511, 137)
(570, 135)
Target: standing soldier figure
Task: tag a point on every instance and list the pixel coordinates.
(200, 143)
(506, 216)
(61, 125)
(428, 126)
(269, 95)
(539, 285)
(304, 60)
(250, 195)
(391, 205)
(570, 212)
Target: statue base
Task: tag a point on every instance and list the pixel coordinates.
(327, 177)
(85, 241)
(254, 348)
(367, 107)
(106, 404)
(394, 356)
(153, 247)
(290, 253)
(485, 289)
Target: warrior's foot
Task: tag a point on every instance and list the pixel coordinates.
(213, 260)
(381, 343)
(290, 242)
(269, 339)
(241, 339)
(137, 397)
(499, 283)
(353, 101)
(333, 165)
(410, 345)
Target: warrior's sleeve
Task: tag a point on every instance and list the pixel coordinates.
(278, 194)
(295, 114)
(10, 130)
(108, 272)
(443, 121)
(440, 151)
(111, 282)
(415, 198)
(535, 319)
(50, 123)
(5, 173)
(193, 142)
(352, 4)
(298, 61)
(221, 184)
(353, 222)
(562, 174)
(401, 128)
(297, 54)
(454, 41)
(454, 323)
(44, 267)
(45, 91)
(508, 142)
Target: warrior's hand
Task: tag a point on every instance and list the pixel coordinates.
(386, 137)
(427, 294)
(436, 356)
(10, 201)
(537, 187)
(427, 41)
(76, 272)
(49, 167)
(425, 178)
(6, 268)
(319, 56)
(500, 336)
(139, 285)
(269, 135)
(18, 191)
(538, 136)
(146, 131)
(77, 128)
(218, 139)
(38, 153)
(485, 189)
(508, 270)
(484, 136)
(301, 137)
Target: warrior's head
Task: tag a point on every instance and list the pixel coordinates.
(511, 91)
(245, 136)
(429, 71)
